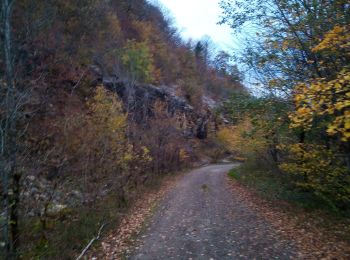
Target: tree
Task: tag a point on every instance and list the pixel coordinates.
(260, 125)
(10, 109)
(280, 54)
(324, 103)
(300, 56)
(188, 77)
(138, 61)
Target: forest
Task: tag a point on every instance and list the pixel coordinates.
(102, 100)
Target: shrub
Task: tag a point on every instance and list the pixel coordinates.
(317, 169)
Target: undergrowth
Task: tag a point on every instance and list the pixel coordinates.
(67, 233)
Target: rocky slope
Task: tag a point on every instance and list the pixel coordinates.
(141, 98)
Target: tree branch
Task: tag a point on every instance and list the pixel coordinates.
(91, 242)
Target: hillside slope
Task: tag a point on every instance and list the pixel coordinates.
(99, 99)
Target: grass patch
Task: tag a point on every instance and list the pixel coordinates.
(234, 174)
(271, 184)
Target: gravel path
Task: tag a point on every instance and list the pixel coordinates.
(202, 218)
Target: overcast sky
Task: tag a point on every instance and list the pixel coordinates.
(197, 18)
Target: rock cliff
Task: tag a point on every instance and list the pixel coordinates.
(140, 99)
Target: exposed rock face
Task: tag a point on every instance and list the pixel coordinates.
(140, 99)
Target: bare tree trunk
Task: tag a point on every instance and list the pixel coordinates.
(14, 214)
(9, 139)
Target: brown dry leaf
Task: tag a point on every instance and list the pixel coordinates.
(312, 241)
(115, 244)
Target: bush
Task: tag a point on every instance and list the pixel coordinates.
(316, 169)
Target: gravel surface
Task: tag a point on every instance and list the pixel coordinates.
(202, 218)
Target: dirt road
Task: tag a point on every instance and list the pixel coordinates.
(203, 219)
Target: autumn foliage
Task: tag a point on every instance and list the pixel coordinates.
(72, 134)
(299, 123)
(327, 99)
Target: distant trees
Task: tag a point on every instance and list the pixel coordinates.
(188, 77)
(259, 126)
